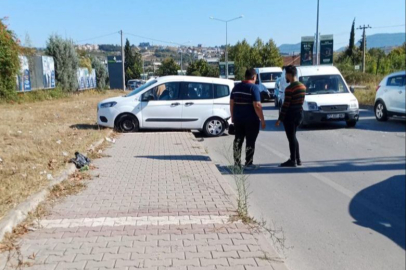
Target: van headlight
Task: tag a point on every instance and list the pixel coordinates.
(108, 104)
(353, 105)
(312, 106)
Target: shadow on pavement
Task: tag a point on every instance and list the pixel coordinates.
(331, 166)
(178, 157)
(381, 207)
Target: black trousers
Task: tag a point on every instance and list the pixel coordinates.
(248, 131)
(291, 123)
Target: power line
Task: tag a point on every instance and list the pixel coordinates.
(389, 26)
(106, 35)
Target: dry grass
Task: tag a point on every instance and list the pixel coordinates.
(11, 242)
(37, 139)
(366, 96)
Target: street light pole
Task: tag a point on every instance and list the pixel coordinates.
(225, 51)
(317, 34)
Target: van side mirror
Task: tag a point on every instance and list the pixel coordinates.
(352, 89)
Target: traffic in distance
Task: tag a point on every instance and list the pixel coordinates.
(201, 103)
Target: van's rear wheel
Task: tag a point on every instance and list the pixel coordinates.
(214, 127)
(127, 123)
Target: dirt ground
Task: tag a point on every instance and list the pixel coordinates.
(38, 139)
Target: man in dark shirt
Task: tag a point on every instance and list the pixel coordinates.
(292, 114)
(246, 114)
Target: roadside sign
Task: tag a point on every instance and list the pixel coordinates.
(306, 51)
(222, 67)
(326, 49)
(357, 67)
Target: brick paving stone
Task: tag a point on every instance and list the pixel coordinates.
(157, 204)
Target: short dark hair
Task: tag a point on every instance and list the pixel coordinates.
(291, 70)
(250, 74)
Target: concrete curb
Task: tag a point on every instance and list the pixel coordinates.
(20, 213)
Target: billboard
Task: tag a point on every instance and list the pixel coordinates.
(326, 49)
(23, 78)
(48, 72)
(231, 72)
(86, 79)
(306, 51)
(115, 72)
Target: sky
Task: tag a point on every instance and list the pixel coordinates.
(183, 21)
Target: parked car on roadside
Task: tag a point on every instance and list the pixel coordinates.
(328, 97)
(133, 84)
(267, 77)
(390, 96)
(171, 102)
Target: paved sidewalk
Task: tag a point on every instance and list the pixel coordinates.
(159, 203)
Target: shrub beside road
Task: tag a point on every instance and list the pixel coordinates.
(38, 138)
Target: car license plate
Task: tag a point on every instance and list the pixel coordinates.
(335, 116)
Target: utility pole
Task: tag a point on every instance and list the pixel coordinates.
(122, 58)
(364, 46)
(317, 34)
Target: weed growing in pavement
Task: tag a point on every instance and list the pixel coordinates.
(242, 185)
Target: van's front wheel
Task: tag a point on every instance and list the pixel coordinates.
(214, 127)
(127, 123)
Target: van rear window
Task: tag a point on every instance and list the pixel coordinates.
(221, 91)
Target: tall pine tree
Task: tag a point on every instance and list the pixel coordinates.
(351, 45)
(132, 63)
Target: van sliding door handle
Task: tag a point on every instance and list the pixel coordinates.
(175, 104)
(189, 103)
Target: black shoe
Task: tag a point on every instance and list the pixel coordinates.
(288, 163)
(298, 162)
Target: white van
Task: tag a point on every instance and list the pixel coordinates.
(328, 97)
(171, 102)
(267, 76)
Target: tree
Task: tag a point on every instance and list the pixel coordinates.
(202, 68)
(259, 55)
(66, 62)
(132, 63)
(271, 55)
(351, 45)
(101, 73)
(9, 62)
(168, 67)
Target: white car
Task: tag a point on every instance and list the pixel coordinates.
(328, 97)
(267, 77)
(171, 102)
(390, 97)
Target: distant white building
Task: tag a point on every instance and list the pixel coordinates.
(88, 47)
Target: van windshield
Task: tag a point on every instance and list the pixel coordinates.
(324, 84)
(269, 76)
(139, 89)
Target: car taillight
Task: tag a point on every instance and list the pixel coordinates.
(377, 88)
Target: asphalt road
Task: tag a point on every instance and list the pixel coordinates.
(345, 208)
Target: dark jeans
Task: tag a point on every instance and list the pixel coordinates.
(248, 131)
(291, 123)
